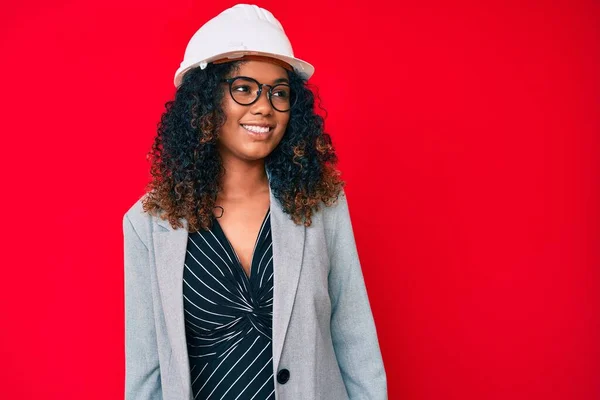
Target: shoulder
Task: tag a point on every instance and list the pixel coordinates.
(339, 209)
(136, 210)
(140, 220)
(334, 218)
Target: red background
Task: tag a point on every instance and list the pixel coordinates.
(468, 137)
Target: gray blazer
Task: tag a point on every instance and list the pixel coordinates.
(323, 329)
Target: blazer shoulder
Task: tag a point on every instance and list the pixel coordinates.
(139, 219)
(136, 210)
(337, 210)
(334, 218)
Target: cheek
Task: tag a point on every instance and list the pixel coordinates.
(283, 122)
(232, 110)
(232, 116)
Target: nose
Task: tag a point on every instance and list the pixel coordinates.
(263, 104)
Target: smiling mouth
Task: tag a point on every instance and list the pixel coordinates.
(257, 129)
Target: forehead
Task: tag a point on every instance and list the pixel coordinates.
(264, 72)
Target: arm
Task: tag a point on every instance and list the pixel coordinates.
(352, 325)
(142, 373)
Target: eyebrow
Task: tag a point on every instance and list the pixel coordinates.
(282, 80)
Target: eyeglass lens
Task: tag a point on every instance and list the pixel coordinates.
(245, 91)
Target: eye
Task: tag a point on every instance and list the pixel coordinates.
(283, 93)
(241, 88)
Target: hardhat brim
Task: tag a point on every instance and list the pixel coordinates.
(304, 69)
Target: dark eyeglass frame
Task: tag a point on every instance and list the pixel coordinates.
(260, 88)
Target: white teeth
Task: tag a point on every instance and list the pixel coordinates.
(256, 129)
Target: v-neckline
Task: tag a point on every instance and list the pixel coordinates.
(239, 263)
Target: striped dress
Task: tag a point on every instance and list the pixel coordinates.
(228, 316)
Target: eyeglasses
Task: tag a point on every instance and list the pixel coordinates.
(246, 91)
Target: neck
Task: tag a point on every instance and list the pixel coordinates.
(243, 179)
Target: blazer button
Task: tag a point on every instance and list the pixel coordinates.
(283, 376)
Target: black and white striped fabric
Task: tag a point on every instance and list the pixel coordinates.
(228, 317)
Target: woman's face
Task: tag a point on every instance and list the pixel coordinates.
(244, 135)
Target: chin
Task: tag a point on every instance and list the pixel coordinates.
(249, 151)
(254, 154)
(256, 157)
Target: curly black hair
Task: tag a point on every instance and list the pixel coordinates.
(186, 167)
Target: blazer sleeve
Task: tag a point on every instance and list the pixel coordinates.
(142, 373)
(352, 326)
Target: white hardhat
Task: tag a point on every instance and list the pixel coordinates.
(242, 30)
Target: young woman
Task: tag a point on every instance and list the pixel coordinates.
(242, 278)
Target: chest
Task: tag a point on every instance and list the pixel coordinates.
(241, 223)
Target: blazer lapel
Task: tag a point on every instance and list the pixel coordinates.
(288, 248)
(170, 247)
